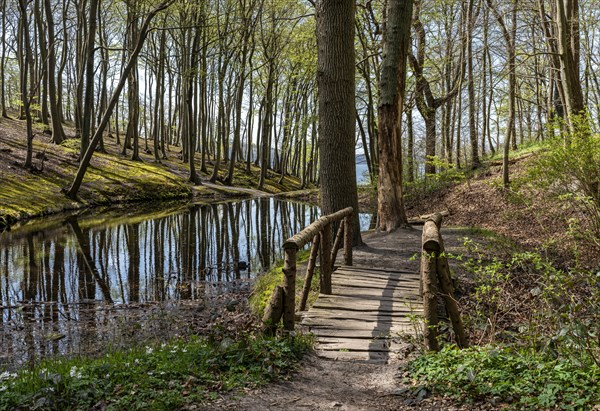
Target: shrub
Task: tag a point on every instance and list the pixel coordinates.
(569, 169)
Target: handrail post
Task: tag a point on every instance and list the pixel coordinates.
(348, 239)
(289, 286)
(326, 267)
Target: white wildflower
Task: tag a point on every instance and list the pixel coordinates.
(2, 388)
(75, 373)
(149, 350)
(7, 376)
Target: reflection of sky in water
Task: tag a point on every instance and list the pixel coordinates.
(137, 258)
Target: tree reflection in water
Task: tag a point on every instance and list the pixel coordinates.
(77, 280)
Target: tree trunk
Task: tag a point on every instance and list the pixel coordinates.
(390, 202)
(336, 84)
(25, 58)
(58, 134)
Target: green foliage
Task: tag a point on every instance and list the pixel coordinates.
(544, 323)
(447, 175)
(163, 377)
(563, 307)
(569, 169)
(519, 378)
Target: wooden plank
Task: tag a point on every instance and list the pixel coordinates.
(349, 344)
(371, 278)
(375, 276)
(358, 356)
(382, 288)
(367, 314)
(356, 297)
(379, 274)
(343, 333)
(382, 325)
(375, 279)
(378, 269)
(357, 292)
(366, 305)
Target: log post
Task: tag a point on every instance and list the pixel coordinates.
(289, 286)
(273, 311)
(447, 290)
(337, 244)
(325, 258)
(310, 271)
(429, 281)
(348, 237)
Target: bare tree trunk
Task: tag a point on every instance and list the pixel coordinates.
(58, 134)
(25, 58)
(390, 202)
(337, 110)
(3, 61)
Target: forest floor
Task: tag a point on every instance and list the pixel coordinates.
(111, 178)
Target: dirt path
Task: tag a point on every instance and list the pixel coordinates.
(322, 384)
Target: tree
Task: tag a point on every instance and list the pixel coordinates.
(25, 59)
(337, 111)
(390, 203)
(426, 102)
(58, 134)
(3, 62)
(510, 39)
(73, 189)
(567, 22)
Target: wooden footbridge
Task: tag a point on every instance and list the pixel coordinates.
(375, 298)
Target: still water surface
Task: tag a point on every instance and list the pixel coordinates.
(58, 275)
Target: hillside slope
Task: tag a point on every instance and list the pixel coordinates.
(530, 217)
(111, 177)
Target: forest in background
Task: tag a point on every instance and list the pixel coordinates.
(236, 79)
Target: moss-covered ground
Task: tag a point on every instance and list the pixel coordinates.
(111, 178)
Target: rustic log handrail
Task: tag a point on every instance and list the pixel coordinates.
(436, 281)
(283, 301)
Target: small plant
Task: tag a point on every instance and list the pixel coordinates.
(509, 377)
(162, 377)
(447, 176)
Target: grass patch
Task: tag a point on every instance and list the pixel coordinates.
(517, 378)
(266, 283)
(164, 377)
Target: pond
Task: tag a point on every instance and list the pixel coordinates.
(77, 283)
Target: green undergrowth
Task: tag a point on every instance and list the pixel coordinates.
(509, 377)
(536, 326)
(525, 148)
(164, 377)
(266, 283)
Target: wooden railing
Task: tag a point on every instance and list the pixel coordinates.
(283, 300)
(436, 281)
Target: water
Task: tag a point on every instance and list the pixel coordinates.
(83, 278)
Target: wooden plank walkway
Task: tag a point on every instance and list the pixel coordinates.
(364, 316)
